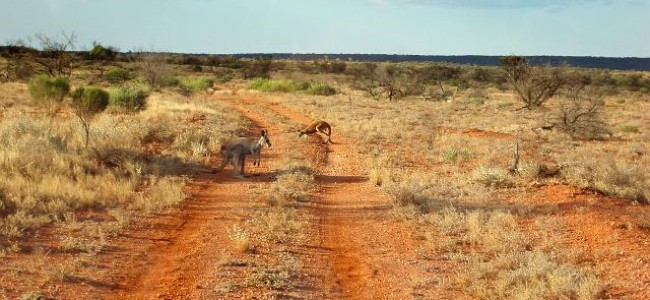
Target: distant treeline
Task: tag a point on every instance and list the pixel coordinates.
(613, 63)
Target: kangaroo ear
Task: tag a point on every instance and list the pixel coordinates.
(263, 132)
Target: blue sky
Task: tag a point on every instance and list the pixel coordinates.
(427, 27)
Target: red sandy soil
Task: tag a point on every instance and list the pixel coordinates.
(354, 249)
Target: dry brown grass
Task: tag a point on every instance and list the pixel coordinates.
(444, 165)
(240, 238)
(500, 262)
(136, 164)
(623, 173)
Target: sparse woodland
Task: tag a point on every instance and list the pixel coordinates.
(93, 144)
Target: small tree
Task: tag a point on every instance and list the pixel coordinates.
(534, 85)
(99, 52)
(55, 56)
(86, 103)
(156, 72)
(393, 82)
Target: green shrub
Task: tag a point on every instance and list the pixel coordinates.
(287, 86)
(170, 80)
(284, 85)
(117, 75)
(90, 99)
(629, 128)
(45, 89)
(100, 52)
(129, 98)
(321, 89)
(225, 78)
(633, 82)
(196, 84)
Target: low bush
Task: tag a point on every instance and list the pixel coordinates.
(492, 177)
(629, 128)
(581, 117)
(610, 177)
(156, 73)
(412, 191)
(292, 187)
(129, 98)
(90, 99)
(99, 52)
(268, 85)
(195, 84)
(48, 91)
(117, 75)
(321, 89)
(224, 78)
(288, 86)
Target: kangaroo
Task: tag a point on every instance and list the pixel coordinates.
(319, 126)
(236, 151)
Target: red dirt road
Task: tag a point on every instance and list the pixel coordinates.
(356, 251)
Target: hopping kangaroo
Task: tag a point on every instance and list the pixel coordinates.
(236, 151)
(319, 126)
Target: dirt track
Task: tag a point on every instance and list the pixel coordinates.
(354, 251)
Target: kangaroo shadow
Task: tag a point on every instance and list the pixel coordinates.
(329, 179)
(226, 176)
(122, 160)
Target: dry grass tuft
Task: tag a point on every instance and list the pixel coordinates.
(413, 191)
(295, 181)
(383, 168)
(499, 261)
(290, 188)
(279, 277)
(591, 169)
(492, 177)
(241, 239)
(529, 275)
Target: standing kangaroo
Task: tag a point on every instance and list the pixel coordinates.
(236, 151)
(319, 126)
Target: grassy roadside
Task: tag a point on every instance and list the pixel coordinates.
(61, 204)
(447, 173)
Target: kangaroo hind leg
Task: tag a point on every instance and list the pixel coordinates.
(226, 159)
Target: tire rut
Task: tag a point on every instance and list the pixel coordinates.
(193, 240)
(366, 254)
(354, 251)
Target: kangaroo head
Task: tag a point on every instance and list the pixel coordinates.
(264, 139)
